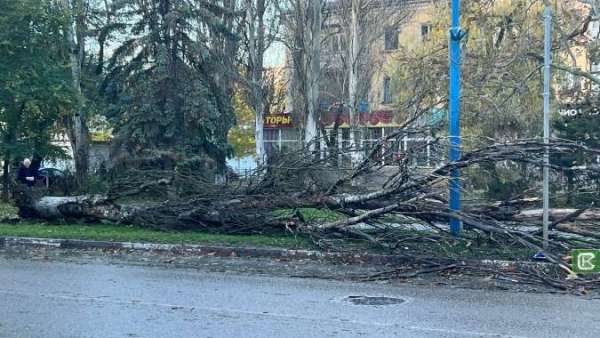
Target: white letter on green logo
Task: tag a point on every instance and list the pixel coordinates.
(585, 261)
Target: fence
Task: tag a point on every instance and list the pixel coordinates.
(420, 148)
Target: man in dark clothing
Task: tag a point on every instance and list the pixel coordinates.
(27, 173)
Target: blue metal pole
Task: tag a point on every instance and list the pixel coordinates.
(547, 81)
(456, 35)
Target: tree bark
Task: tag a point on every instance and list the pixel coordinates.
(6, 179)
(95, 207)
(353, 60)
(536, 214)
(259, 136)
(313, 69)
(226, 215)
(256, 53)
(77, 129)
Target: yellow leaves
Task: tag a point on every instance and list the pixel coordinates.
(241, 136)
(100, 136)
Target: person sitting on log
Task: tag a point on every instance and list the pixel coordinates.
(27, 174)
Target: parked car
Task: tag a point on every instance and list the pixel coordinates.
(51, 172)
(50, 175)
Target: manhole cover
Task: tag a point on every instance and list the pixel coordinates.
(368, 300)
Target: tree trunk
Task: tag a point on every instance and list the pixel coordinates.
(256, 49)
(77, 129)
(313, 69)
(227, 215)
(6, 179)
(80, 143)
(95, 207)
(536, 214)
(259, 136)
(353, 61)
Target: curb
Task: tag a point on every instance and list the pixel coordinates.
(247, 252)
(202, 250)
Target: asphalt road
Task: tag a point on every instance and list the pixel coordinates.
(69, 299)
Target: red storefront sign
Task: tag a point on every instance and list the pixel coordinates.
(366, 119)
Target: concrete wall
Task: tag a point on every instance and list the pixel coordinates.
(99, 153)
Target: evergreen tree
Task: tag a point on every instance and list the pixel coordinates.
(163, 80)
(585, 129)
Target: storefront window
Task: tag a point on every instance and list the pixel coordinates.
(281, 140)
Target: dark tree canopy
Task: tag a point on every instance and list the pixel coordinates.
(34, 78)
(162, 79)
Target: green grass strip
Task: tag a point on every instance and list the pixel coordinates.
(121, 233)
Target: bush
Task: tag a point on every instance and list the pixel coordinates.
(498, 182)
(97, 184)
(8, 212)
(62, 185)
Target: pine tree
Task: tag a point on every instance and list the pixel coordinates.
(163, 81)
(584, 129)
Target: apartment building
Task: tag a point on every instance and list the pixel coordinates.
(405, 25)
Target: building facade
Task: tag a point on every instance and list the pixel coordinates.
(418, 26)
(406, 24)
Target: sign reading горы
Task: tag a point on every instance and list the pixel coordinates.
(278, 121)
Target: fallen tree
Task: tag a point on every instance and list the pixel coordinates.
(536, 214)
(293, 182)
(301, 180)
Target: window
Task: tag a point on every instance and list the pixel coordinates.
(363, 106)
(387, 90)
(280, 140)
(425, 30)
(391, 39)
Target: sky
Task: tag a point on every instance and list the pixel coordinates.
(275, 55)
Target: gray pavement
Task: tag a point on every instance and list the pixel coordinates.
(54, 298)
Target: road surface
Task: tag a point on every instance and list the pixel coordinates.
(68, 299)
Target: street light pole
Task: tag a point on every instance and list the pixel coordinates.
(547, 79)
(456, 35)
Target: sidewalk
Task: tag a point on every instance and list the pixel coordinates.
(238, 251)
(204, 250)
